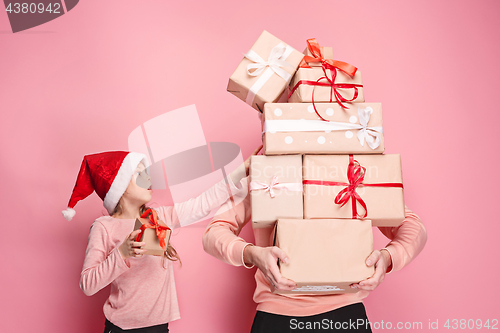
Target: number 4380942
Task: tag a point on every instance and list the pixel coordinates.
(471, 324)
(33, 8)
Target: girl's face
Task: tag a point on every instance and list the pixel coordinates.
(138, 191)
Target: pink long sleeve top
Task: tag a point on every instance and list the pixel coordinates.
(142, 289)
(221, 240)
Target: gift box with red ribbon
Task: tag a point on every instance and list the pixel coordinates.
(335, 81)
(354, 187)
(265, 71)
(275, 189)
(154, 232)
(323, 128)
(325, 256)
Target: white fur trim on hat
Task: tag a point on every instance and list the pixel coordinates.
(69, 213)
(122, 179)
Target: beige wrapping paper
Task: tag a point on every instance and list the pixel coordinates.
(326, 255)
(303, 94)
(385, 205)
(241, 82)
(280, 121)
(266, 210)
(149, 236)
(326, 52)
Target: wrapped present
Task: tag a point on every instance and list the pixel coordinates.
(275, 188)
(326, 255)
(324, 128)
(264, 73)
(320, 84)
(354, 186)
(320, 78)
(154, 232)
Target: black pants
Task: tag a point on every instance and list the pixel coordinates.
(109, 327)
(350, 318)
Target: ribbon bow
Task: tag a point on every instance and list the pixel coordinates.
(333, 66)
(275, 185)
(273, 61)
(317, 56)
(161, 231)
(355, 177)
(370, 134)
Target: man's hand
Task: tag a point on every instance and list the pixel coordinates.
(266, 259)
(382, 260)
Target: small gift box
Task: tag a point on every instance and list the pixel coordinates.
(322, 79)
(319, 84)
(155, 233)
(325, 256)
(275, 189)
(264, 73)
(322, 128)
(354, 186)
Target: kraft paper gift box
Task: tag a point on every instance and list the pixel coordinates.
(333, 86)
(354, 186)
(265, 72)
(296, 128)
(275, 189)
(326, 255)
(149, 236)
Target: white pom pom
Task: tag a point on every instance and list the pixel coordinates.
(69, 213)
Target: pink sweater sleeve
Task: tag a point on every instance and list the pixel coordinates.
(407, 240)
(221, 236)
(192, 210)
(101, 265)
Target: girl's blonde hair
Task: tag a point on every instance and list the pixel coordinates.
(171, 254)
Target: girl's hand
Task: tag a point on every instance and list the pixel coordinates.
(131, 248)
(382, 261)
(266, 259)
(247, 162)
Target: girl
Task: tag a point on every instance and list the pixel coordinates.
(143, 296)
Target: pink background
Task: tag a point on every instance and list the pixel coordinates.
(81, 83)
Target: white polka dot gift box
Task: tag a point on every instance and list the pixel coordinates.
(265, 71)
(322, 128)
(275, 189)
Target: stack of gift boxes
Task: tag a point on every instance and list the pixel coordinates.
(323, 180)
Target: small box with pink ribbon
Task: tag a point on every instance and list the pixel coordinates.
(275, 189)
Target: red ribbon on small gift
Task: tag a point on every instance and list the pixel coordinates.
(317, 56)
(161, 231)
(332, 66)
(355, 176)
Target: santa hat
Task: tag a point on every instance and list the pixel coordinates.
(108, 174)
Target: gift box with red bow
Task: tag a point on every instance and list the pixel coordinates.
(325, 256)
(265, 71)
(333, 81)
(154, 232)
(322, 128)
(354, 187)
(275, 188)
